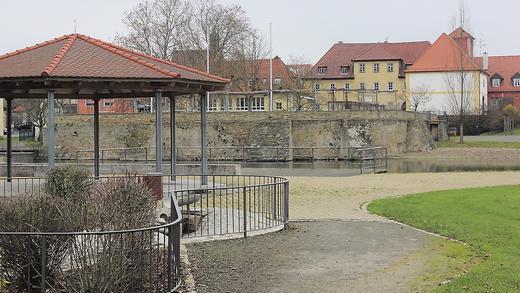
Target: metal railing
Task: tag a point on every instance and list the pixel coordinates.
(243, 153)
(370, 159)
(137, 260)
(227, 204)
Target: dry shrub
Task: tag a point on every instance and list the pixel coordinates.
(92, 262)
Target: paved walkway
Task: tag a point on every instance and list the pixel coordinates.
(341, 247)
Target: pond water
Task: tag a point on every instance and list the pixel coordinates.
(341, 168)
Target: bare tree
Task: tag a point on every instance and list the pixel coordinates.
(419, 97)
(300, 99)
(459, 83)
(34, 111)
(156, 27)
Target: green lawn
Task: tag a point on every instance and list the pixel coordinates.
(487, 219)
(516, 131)
(453, 142)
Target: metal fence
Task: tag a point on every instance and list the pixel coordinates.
(247, 153)
(137, 260)
(370, 159)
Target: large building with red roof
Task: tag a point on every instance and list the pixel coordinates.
(503, 81)
(447, 78)
(363, 72)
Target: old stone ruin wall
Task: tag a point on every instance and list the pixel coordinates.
(255, 136)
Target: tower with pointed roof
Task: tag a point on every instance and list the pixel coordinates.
(440, 70)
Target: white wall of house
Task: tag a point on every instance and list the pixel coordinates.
(2, 117)
(442, 94)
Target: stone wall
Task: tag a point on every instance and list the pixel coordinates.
(267, 136)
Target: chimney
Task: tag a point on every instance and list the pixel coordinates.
(485, 61)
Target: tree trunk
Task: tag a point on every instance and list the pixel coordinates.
(461, 132)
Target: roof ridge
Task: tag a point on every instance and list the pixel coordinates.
(127, 55)
(38, 45)
(59, 56)
(165, 61)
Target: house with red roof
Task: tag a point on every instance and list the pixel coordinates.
(363, 72)
(449, 75)
(503, 80)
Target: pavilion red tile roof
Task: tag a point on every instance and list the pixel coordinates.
(342, 54)
(80, 56)
(444, 55)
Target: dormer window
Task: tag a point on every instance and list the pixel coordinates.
(344, 69)
(322, 70)
(277, 80)
(496, 80)
(516, 79)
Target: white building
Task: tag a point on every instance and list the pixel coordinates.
(443, 72)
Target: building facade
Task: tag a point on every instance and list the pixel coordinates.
(370, 73)
(503, 81)
(447, 78)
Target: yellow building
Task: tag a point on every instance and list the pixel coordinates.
(354, 75)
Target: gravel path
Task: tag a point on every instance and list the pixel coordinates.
(329, 256)
(342, 247)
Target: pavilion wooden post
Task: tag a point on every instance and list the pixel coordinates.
(203, 140)
(96, 138)
(158, 131)
(9, 137)
(51, 147)
(173, 143)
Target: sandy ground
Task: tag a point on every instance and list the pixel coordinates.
(344, 198)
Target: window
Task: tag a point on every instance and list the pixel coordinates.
(516, 82)
(362, 86)
(322, 70)
(496, 82)
(317, 86)
(390, 86)
(257, 104)
(108, 102)
(344, 69)
(376, 67)
(332, 87)
(277, 80)
(390, 67)
(279, 106)
(90, 103)
(362, 67)
(212, 104)
(347, 86)
(376, 86)
(241, 104)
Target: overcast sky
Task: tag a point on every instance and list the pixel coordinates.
(300, 27)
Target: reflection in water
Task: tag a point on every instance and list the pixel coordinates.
(341, 168)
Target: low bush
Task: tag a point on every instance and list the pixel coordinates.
(68, 182)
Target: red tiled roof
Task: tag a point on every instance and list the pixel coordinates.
(78, 55)
(342, 54)
(443, 55)
(377, 52)
(460, 33)
(505, 66)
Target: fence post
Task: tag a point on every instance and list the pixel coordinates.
(146, 154)
(244, 202)
(43, 263)
(125, 154)
(286, 205)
